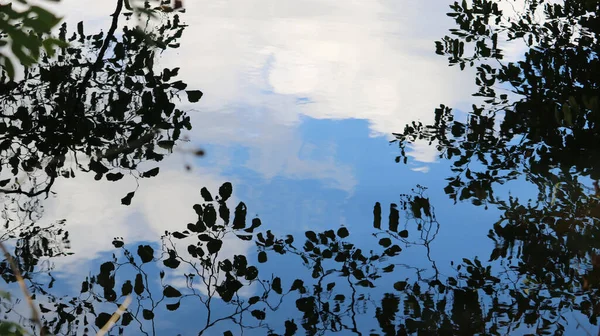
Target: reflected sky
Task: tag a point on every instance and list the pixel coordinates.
(300, 100)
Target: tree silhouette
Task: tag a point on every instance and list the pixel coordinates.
(97, 106)
(548, 125)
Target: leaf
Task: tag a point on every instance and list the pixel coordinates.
(102, 319)
(210, 215)
(114, 176)
(298, 285)
(118, 243)
(214, 246)
(194, 95)
(179, 235)
(179, 85)
(166, 144)
(227, 333)
(403, 233)
(385, 242)
(225, 191)
(262, 257)
(393, 250)
(147, 314)
(290, 328)
(276, 285)
(400, 285)
(206, 195)
(343, 232)
(172, 261)
(126, 319)
(253, 300)
(251, 273)
(171, 292)
(127, 288)
(239, 219)
(151, 173)
(139, 284)
(127, 199)
(312, 236)
(377, 215)
(258, 314)
(4, 182)
(204, 237)
(146, 253)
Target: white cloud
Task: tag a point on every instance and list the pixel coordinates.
(95, 215)
(369, 60)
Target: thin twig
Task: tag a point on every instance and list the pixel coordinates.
(35, 316)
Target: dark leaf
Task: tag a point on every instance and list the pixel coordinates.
(290, 328)
(179, 235)
(194, 95)
(139, 284)
(206, 194)
(225, 191)
(276, 285)
(127, 199)
(251, 273)
(102, 319)
(400, 285)
(126, 319)
(114, 176)
(343, 232)
(214, 246)
(385, 242)
(171, 292)
(127, 288)
(147, 314)
(312, 236)
(377, 216)
(239, 219)
(146, 253)
(151, 173)
(173, 306)
(259, 314)
(262, 257)
(172, 261)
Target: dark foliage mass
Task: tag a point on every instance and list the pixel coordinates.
(99, 105)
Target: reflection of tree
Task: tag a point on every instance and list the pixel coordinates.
(553, 124)
(97, 106)
(347, 284)
(191, 269)
(548, 134)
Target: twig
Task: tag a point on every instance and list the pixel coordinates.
(35, 316)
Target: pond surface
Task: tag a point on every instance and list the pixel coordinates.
(295, 199)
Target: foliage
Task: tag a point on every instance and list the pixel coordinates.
(550, 121)
(98, 106)
(27, 29)
(27, 33)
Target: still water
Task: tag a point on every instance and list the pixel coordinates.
(301, 102)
